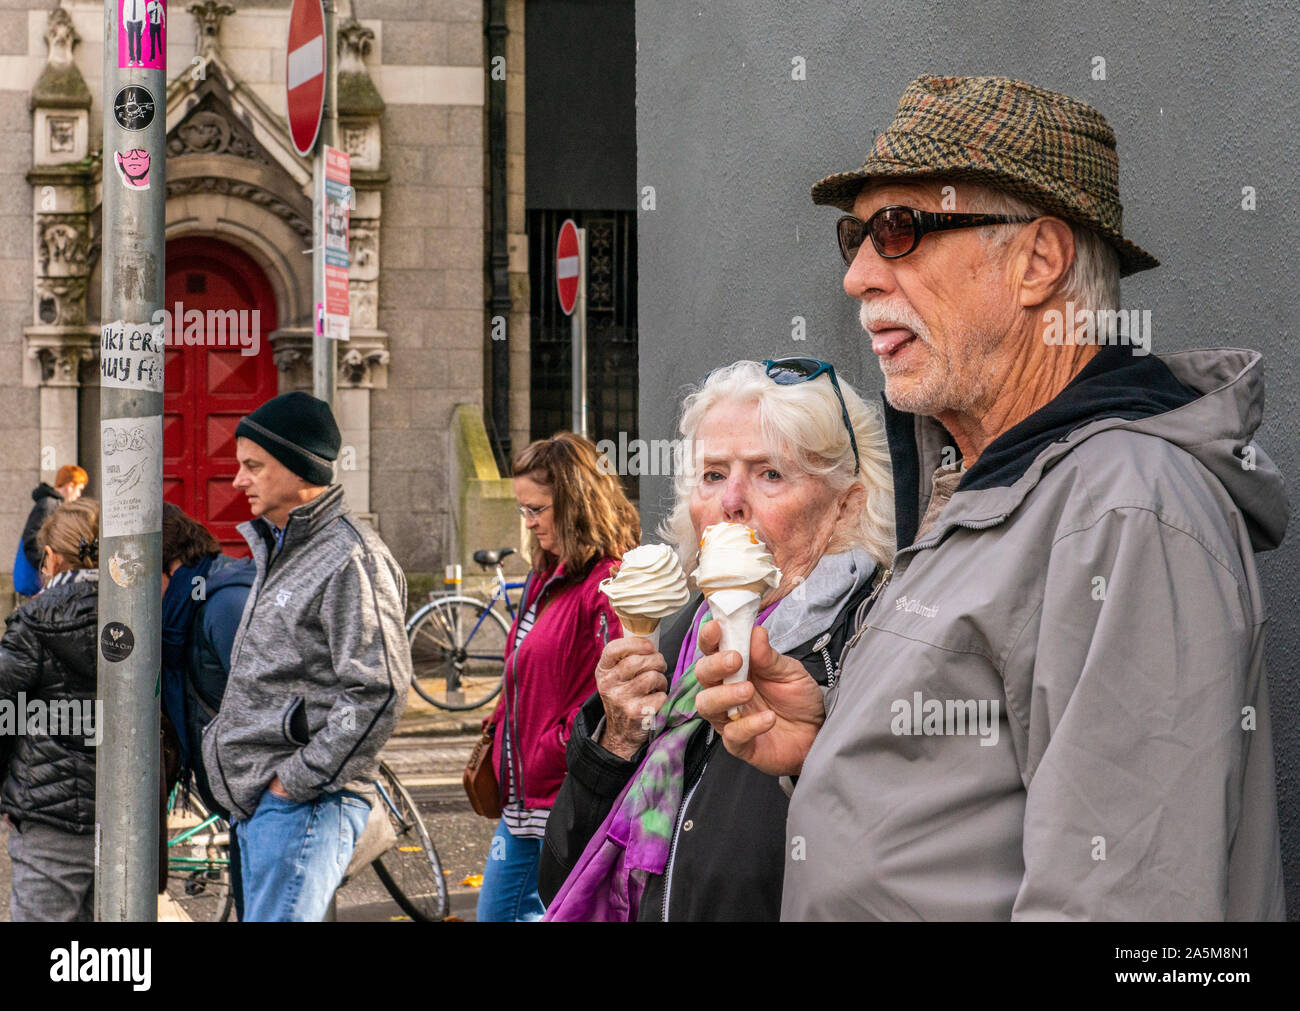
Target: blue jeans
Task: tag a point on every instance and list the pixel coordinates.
(509, 891)
(292, 855)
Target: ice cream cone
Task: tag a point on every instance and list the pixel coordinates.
(735, 611)
(734, 571)
(648, 586)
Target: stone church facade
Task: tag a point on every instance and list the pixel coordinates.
(413, 90)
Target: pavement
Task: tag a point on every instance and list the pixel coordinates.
(422, 719)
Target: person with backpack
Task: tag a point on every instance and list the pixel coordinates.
(68, 485)
(204, 592)
(48, 659)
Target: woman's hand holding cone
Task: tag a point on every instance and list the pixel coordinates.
(781, 704)
(633, 687)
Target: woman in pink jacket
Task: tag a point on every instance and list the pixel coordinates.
(580, 524)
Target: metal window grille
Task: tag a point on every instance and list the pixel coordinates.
(611, 327)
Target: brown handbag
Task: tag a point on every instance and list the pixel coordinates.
(480, 779)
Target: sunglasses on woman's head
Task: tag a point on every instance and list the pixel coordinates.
(790, 371)
(896, 230)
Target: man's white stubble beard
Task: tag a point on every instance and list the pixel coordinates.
(939, 389)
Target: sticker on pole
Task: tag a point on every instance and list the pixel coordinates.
(133, 107)
(133, 168)
(131, 355)
(338, 190)
(567, 266)
(125, 565)
(131, 465)
(116, 642)
(142, 34)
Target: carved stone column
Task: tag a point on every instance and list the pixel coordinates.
(208, 15)
(363, 366)
(60, 341)
(363, 361)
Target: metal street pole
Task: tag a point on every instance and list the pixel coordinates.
(324, 368)
(131, 407)
(579, 354)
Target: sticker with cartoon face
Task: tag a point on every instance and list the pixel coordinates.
(133, 168)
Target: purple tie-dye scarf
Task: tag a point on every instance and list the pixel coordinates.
(633, 843)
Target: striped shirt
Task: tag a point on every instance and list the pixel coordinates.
(523, 822)
(72, 576)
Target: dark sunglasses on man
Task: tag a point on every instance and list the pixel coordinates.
(790, 371)
(896, 230)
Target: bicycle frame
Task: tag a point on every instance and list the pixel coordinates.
(502, 591)
(182, 862)
(452, 622)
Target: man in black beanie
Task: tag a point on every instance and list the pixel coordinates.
(319, 671)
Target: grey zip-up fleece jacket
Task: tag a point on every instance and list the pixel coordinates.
(1057, 708)
(320, 668)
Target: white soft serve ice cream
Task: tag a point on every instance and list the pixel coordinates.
(650, 583)
(735, 570)
(732, 556)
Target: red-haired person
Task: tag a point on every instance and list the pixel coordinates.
(67, 487)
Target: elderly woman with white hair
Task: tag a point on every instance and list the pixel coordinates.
(787, 449)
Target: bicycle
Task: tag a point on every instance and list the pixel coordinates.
(410, 869)
(198, 857)
(458, 642)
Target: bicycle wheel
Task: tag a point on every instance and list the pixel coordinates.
(198, 859)
(458, 647)
(410, 870)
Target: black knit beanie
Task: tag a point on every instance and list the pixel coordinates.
(299, 431)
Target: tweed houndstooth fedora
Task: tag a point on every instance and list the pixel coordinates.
(1041, 146)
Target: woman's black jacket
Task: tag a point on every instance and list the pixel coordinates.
(48, 654)
(728, 853)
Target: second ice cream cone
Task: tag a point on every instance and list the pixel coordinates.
(735, 612)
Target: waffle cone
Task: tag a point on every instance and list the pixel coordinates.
(637, 624)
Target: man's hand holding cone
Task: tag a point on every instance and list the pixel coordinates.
(780, 707)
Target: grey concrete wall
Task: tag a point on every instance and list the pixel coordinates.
(1203, 101)
(580, 86)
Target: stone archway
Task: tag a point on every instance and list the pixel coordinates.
(231, 175)
(219, 368)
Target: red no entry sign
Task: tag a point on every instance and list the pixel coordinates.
(305, 73)
(567, 266)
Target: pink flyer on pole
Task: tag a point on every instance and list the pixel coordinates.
(142, 34)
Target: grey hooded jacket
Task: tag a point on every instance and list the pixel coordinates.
(320, 667)
(1057, 709)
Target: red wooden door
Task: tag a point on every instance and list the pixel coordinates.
(211, 379)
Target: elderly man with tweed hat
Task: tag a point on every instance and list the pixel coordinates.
(319, 670)
(1061, 709)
